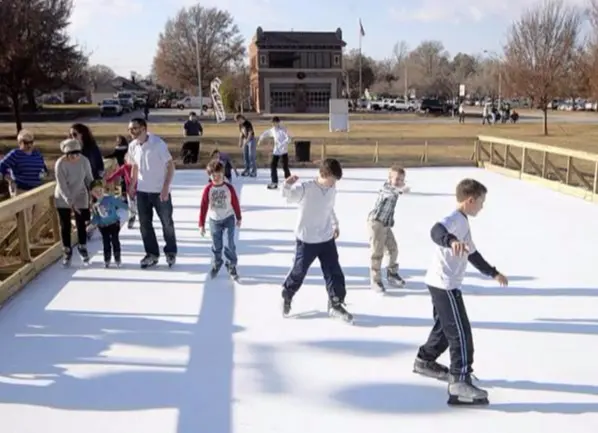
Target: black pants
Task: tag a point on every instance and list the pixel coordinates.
(111, 241)
(327, 255)
(190, 152)
(274, 166)
(81, 219)
(146, 203)
(451, 330)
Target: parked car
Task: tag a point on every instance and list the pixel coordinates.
(110, 107)
(435, 106)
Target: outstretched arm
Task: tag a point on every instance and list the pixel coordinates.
(293, 193)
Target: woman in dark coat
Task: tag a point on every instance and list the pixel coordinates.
(89, 148)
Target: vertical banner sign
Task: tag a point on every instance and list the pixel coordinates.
(219, 111)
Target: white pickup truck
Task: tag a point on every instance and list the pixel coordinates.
(401, 105)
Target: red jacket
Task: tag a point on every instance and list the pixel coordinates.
(122, 171)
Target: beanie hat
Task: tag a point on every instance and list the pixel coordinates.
(70, 145)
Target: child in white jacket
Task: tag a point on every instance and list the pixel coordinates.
(280, 152)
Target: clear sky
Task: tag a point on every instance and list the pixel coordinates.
(123, 34)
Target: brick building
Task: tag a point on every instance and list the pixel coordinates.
(295, 72)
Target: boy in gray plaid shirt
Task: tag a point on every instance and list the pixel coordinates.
(380, 223)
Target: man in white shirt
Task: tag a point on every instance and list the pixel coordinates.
(316, 231)
(151, 178)
(280, 151)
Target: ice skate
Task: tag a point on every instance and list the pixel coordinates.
(107, 264)
(394, 278)
(272, 185)
(131, 222)
(84, 254)
(245, 173)
(431, 369)
(170, 260)
(286, 304)
(67, 254)
(148, 261)
(337, 310)
(118, 263)
(232, 272)
(464, 393)
(214, 271)
(378, 287)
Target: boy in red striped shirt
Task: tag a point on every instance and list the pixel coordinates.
(220, 207)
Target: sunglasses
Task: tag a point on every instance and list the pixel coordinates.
(27, 142)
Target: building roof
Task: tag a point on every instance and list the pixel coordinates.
(275, 38)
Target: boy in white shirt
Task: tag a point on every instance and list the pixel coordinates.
(452, 330)
(280, 152)
(316, 231)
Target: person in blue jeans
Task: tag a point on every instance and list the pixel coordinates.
(248, 143)
(220, 207)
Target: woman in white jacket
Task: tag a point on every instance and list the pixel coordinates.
(280, 151)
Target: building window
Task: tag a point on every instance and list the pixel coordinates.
(262, 59)
(284, 60)
(337, 60)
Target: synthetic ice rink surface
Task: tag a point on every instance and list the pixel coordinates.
(162, 351)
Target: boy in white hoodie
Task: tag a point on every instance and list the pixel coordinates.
(280, 152)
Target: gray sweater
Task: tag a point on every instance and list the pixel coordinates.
(72, 182)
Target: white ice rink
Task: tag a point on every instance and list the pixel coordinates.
(162, 351)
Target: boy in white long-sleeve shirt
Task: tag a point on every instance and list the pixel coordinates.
(316, 231)
(280, 152)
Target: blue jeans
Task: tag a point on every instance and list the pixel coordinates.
(146, 203)
(217, 229)
(250, 157)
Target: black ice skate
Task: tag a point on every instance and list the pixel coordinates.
(286, 304)
(394, 278)
(232, 272)
(431, 369)
(272, 185)
(117, 263)
(337, 310)
(170, 259)
(378, 287)
(148, 261)
(107, 264)
(67, 254)
(131, 222)
(84, 254)
(214, 271)
(464, 393)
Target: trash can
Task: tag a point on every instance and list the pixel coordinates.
(303, 151)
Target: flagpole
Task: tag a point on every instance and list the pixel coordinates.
(360, 61)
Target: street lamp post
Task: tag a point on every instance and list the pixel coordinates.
(198, 59)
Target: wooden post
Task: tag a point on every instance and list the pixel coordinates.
(323, 156)
(506, 156)
(568, 172)
(55, 222)
(23, 233)
(523, 160)
(492, 153)
(376, 153)
(544, 161)
(595, 189)
(426, 151)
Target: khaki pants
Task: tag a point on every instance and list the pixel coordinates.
(382, 239)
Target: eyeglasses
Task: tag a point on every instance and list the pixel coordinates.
(27, 142)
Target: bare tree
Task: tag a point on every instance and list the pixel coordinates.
(400, 52)
(36, 51)
(220, 47)
(539, 50)
(98, 75)
(430, 68)
(351, 66)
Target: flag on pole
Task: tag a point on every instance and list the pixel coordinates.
(361, 30)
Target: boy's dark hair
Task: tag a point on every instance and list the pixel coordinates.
(276, 119)
(214, 152)
(239, 116)
(331, 167)
(140, 121)
(470, 188)
(397, 169)
(96, 183)
(215, 167)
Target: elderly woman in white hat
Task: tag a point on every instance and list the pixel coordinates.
(73, 177)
